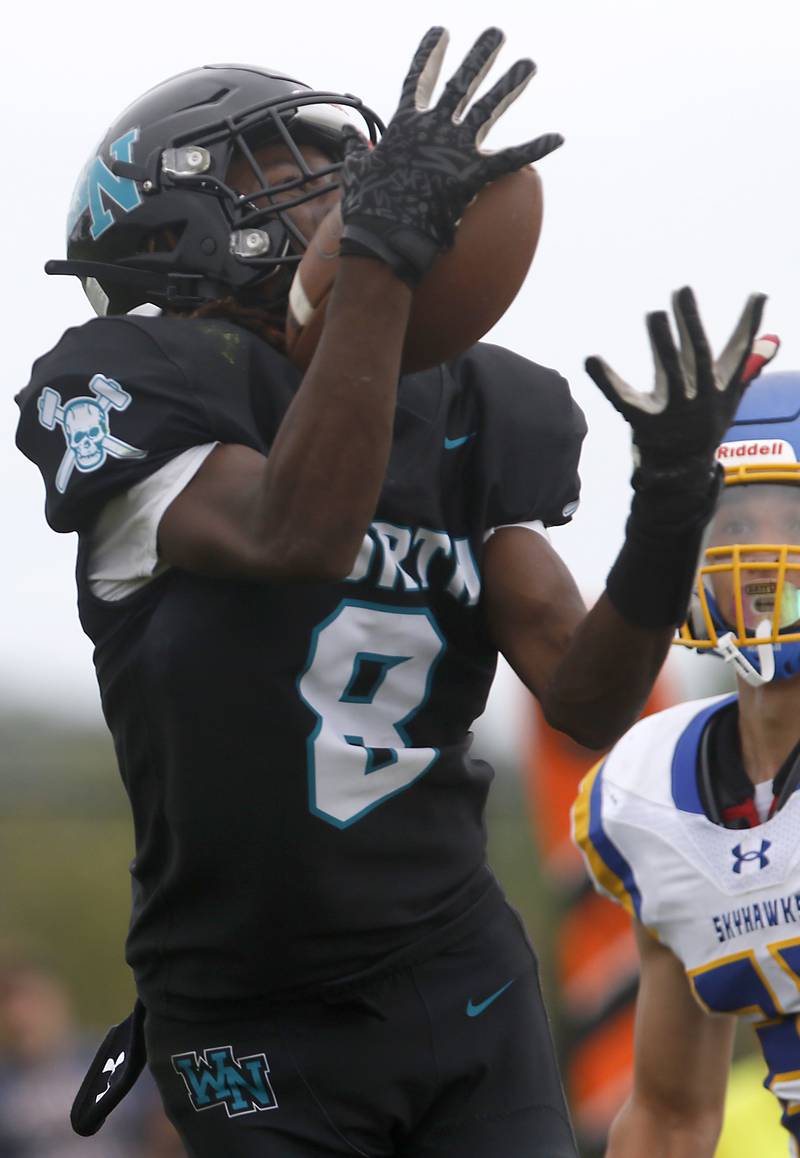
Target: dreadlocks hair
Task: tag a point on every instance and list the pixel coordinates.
(265, 319)
(266, 323)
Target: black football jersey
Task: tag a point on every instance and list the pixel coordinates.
(296, 755)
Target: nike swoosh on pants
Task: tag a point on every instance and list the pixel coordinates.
(476, 1010)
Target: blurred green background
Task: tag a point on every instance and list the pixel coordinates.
(65, 845)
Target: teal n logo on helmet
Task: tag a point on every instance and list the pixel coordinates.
(217, 1078)
(96, 179)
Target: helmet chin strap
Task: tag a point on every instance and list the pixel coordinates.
(766, 657)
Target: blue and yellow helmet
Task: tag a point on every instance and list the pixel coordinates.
(746, 603)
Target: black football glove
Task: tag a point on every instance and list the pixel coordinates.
(402, 199)
(678, 426)
(676, 431)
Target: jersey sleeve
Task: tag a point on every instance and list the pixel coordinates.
(609, 871)
(112, 403)
(530, 432)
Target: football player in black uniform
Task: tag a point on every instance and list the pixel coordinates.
(297, 587)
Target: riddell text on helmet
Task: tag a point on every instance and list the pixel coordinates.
(777, 449)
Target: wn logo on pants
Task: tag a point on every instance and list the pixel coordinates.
(217, 1078)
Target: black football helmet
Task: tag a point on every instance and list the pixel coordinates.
(152, 218)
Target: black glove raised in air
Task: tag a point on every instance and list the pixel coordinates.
(676, 428)
(402, 200)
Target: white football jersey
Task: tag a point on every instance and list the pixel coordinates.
(726, 902)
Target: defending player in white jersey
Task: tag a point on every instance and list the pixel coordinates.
(692, 822)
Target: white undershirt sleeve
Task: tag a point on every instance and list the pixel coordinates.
(535, 525)
(123, 548)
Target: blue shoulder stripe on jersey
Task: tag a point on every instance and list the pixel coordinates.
(607, 850)
(684, 759)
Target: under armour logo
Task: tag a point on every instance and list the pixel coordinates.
(110, 1068)
(84, 422)
(754, 854)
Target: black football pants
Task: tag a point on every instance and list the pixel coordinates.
(451, 1058)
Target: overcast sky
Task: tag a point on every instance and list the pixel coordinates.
(681, 165)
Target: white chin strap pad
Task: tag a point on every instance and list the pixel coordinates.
(766, 657)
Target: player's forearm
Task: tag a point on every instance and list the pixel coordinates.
(604, 677)
(327, 464)
(591, 672)
(617, 652)
(640, 1130)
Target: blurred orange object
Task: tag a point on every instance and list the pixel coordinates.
(594, 951)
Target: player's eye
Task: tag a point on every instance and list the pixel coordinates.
(730, 531)
(281, 175)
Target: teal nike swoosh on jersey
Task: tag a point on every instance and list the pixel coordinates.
(476, 1010)
(452, 443)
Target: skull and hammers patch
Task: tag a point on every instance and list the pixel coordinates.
(84, 422)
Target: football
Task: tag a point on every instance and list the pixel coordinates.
(467, 290)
